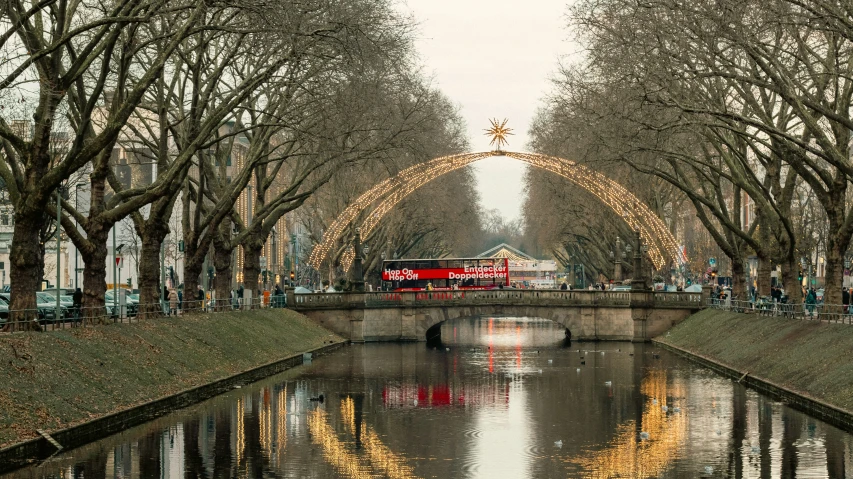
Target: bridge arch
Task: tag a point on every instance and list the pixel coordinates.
(388, 193)
(570, 320)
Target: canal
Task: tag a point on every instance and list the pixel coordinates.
(496, 398)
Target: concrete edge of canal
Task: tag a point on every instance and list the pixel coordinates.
(770, 364)
(34, 450)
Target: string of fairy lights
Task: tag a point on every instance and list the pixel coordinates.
(639, 217)
(337, 228)
(436, 169)
(390, 192)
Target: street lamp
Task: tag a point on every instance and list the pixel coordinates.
(638, 282)
(77, 187)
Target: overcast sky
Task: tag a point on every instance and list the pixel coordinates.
(494, 59)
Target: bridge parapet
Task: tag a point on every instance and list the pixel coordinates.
(588, 315)
(507, 297)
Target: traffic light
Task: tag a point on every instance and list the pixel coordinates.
(800, 276)
(264, 274)
(292, 275)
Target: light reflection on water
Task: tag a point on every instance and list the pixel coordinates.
(491, 400)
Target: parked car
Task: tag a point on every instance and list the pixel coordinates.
(131, 303)
(62, 291)
(47, 303)
(621, 287)
(4, 311)
(65, 299)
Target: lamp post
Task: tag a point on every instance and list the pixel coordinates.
(58, 245)
(76, 250)
(162, 275)
(617, 258)
(357, 268)
(115, 268)
(638, 283)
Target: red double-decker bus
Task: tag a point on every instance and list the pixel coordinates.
(445, 274)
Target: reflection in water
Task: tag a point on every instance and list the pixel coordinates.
(382, 459)
(496, 398)
(346, 463)
(649, 453)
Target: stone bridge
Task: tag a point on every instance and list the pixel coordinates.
(408, 316)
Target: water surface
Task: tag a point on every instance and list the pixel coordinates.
(497, 398)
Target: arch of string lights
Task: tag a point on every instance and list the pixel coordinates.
(389, 193)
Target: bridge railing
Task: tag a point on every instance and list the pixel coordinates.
(539, 297)
(833, 313)
(677, 299)
(507, 296)
(327, 301)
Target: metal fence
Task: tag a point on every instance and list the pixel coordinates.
(835, 313)
(72, 317)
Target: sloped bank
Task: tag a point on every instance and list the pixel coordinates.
(85, 383)
(807, 364)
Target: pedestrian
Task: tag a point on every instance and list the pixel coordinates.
(564, 286)
(811, 300)
(180, 299)
(279, 295)
(845, 299)
(164, 301)
(240, 291)
(200, 297)
(77, 299)
(173, 303)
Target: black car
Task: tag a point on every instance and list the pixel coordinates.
(43, 314)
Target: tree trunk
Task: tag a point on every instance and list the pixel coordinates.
(739, 290)
(793, 287)
(834, 274)
(24, 274)
(252, 248)
(837, 240)
(192, 272)
(192, 267)
(149, 271)
(763, 280)
(95, 273)
(222, 262)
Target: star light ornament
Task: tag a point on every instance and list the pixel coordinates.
(498, 132)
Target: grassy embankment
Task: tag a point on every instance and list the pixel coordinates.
(58, 379)
(810, 358)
